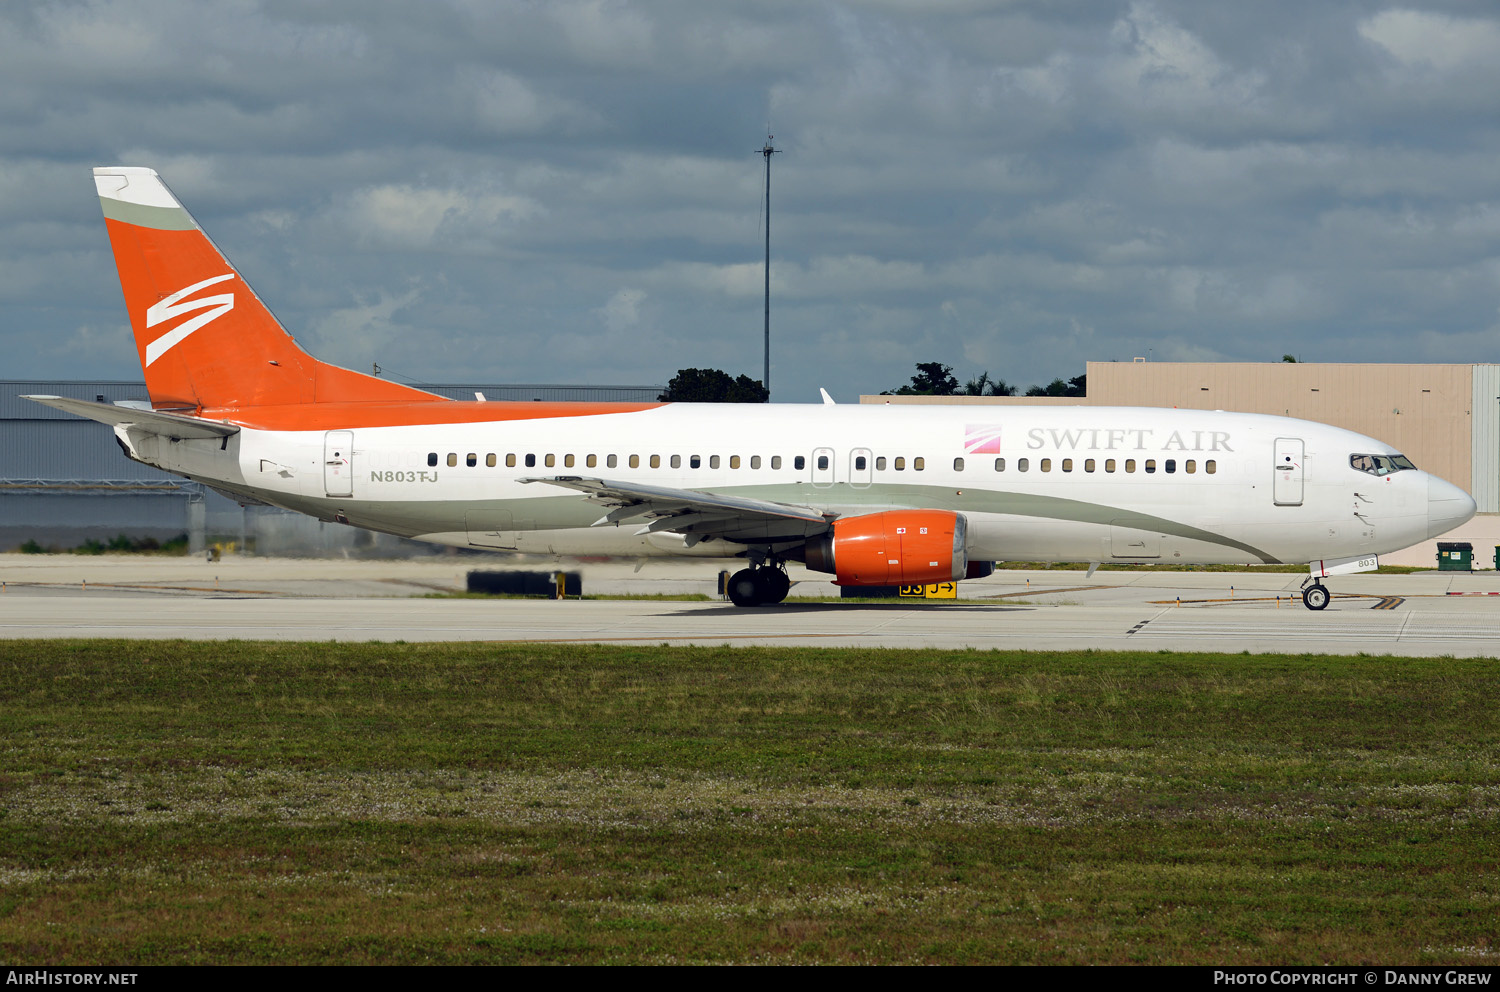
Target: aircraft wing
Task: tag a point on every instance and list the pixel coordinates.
(696, 515)
(166, 424)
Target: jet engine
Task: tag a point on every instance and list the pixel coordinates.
(894, 548)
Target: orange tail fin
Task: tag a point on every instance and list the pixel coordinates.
(204, 337)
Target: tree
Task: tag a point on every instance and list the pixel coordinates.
(712, 386)
(1076, 386)
(932, 379)
(985, 386)
(1289, 358)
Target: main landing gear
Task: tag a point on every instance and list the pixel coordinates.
(759, 585)
(1315, 596)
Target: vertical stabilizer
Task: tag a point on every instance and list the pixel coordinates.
(205, 339)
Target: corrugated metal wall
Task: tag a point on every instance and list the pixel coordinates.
(38, 442)
(1485, 438)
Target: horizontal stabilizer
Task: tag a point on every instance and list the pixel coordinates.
(173, 425)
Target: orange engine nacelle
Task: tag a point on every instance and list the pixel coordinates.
(894, 548)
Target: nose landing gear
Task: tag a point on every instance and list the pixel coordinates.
(1315, 596)
(760, 585)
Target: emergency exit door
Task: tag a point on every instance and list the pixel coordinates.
(1286, 485)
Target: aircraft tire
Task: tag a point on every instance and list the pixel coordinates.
(1316, 597)
(744, 588)
(774, 584)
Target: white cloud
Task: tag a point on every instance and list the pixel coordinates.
(1430, 40)
(623, 310)
(404, 216)
(1162, 63)
(358, 335)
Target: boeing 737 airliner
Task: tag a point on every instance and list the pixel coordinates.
(874, 495)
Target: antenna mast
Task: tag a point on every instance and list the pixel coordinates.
(768, 151)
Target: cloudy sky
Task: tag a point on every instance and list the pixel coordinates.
(570, 190)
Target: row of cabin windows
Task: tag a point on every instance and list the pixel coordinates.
(1168, 465)
(918, 464)
(799, 462)
(899, 464)
(610, 461)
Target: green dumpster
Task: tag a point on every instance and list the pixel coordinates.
(1455, 556)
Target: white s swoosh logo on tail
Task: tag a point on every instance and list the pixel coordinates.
(173, 306)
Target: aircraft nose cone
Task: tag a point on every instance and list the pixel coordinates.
(1447, 506)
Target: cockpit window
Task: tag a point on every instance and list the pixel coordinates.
(1380, 464)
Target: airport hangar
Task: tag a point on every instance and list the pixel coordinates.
(64, 480)
(1446, 418)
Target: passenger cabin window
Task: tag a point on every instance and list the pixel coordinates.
(531, 461)
(591, 461)
(432, 459)
(1088, 465)
(860, 463)
(610, 461)
(775, 461)
(999, 464)
(1210, 467)
(799, 463)
(1023, 464)
(1130, 464)
(1190, 466)
(567, 461)
(713, 461)
(880, 463)
(734, 461)
(822, 463)
(1150, 465)
(1067, 465)
(471, 459)
(1170, 465)
(489, 460)
(918, 464)
(551, 460)
(677, 461)
(656, 461)
(452, 459)
(1046, 464)
(958, 464)
(755, 461)
(1109, 464)
(900, 465)
(635, 461)
(695, 461)
(510, 461)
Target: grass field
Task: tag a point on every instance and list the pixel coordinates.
(246, 802)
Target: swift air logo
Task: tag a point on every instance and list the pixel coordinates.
(175, 306)
(982, 439)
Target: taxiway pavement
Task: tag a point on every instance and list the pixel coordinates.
(381, 600)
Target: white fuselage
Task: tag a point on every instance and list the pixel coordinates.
(1035, 483)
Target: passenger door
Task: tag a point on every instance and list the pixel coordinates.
(1286, 485)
